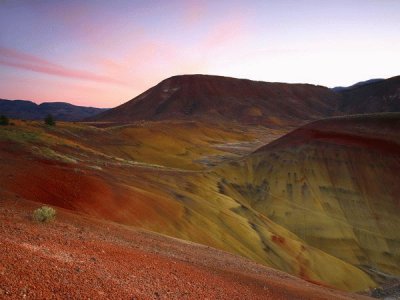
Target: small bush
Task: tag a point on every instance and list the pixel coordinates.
(49, 120)
(44, 214)
(4, 120)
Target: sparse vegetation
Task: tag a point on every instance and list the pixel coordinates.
(44, 214)
(51, 154)
(4, 121)
(49, 120)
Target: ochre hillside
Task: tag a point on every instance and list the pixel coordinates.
(334, 185)
(222, 98)
(240, 206)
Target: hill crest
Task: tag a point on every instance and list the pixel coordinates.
(223, 98)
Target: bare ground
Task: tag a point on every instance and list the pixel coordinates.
(78, 257)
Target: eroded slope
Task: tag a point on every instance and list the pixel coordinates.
(76, 256)
(334, 184)
(293, 205)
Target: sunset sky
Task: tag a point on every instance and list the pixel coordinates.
(103, 53)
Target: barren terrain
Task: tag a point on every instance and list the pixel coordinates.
(78, 257)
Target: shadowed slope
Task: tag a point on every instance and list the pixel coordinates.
(381, 96)
(214, 97)
(28, 110)
(358, 84)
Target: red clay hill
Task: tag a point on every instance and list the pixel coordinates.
(372, 132)
(217, 98)
(222, 98)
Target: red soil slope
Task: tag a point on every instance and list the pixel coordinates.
(215, 97)
(83, 258)
(377, 132)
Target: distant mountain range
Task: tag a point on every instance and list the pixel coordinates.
(358, 84)
(28, 110)
(378, 96)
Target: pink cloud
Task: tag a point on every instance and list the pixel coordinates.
(194, 11)
(131, 58)
(142, 64)
(17, 59)
(50, 89)
(229, 30)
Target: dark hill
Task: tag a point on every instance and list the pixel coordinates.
(380, 96)
(223, 98)
(358, 84)
(378, 132)
(27, 110)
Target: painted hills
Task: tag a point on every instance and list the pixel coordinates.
(28, 110)
(334, 185)
(261, 206)
(317, 201)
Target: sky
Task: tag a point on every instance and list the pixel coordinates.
(103, 53)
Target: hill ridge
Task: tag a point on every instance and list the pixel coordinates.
(213, 97)
(29, 110)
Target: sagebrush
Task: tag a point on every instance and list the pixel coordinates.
(4, 120)
(44, 214)
(49, 120)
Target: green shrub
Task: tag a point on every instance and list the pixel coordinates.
(44, 214)
(4, 120)
(49, 120)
